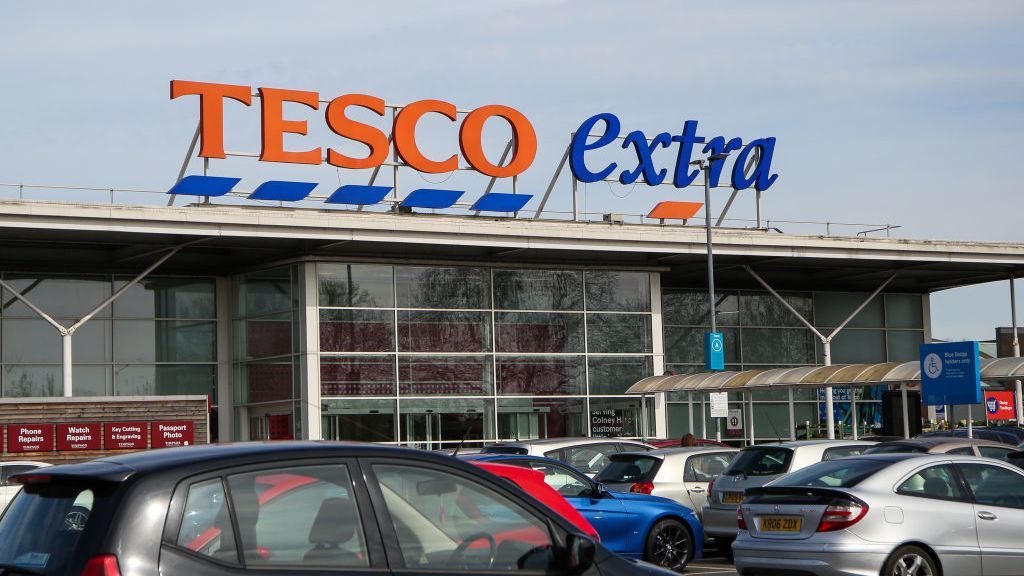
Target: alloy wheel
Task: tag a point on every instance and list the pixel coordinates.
(671, 546)
(912, 564)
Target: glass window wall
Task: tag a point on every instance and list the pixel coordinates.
(161, 325)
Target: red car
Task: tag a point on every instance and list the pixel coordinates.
(532, 482)
(674, 442)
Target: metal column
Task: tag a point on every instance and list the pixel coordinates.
(1016, 350)
(792, 415)
(689, 410)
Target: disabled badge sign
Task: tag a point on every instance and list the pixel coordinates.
(950, 373)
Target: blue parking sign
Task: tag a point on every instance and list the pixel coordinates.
(950, 373)
(714, 351)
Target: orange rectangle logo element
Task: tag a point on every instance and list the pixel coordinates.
(675, 210)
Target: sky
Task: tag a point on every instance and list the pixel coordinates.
(889, 112)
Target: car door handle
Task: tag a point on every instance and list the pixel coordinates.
(987, 516)
(696, 490)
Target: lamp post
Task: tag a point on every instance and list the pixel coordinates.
(705, 166)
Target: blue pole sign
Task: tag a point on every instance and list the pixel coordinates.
(714, 351)
(950, 373)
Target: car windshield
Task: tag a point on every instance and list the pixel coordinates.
(628, 468)
(43, 525)
(844, 473)
(896, 449)
(760, 462)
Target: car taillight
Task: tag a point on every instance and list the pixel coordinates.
(29, 479)
(740, 521)
(711, 484)
(103, 565)
(642, 487)
(841, 514)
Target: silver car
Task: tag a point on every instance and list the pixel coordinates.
(755, 466)
(681, 474)
(588, 455)
(945, 445)
(888, 514)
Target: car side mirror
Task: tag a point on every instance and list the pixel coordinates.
(580, 551)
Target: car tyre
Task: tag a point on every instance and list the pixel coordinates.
(724, 547)
(669, 545)
(910, 561)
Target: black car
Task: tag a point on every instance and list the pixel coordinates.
(286, 508)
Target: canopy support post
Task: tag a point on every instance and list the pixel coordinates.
(703, 418)
(792, 415)
(689, 410)
(750, 411)
(970, 423)
(906, 411)
(853, 410)
(825, 340)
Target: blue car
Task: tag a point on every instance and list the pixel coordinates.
(640, 526)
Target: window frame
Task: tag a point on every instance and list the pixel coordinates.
(965, 492)
(557, 529)
(364, 506)
(970, 491)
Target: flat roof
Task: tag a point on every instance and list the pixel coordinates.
(78, 237)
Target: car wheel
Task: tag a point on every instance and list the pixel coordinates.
(669, 544)
(724, 547)
(910, 561)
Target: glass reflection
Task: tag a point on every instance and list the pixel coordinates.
(357, 376)
(542, 375)
(358, 420)
(24, 381)
(436, 287)
(528, 418)
(615, 374)
(430, 331)
(356, 285)
(155, 297)
(264, 292)
(143, 380)
(444, 375)
(618, 291)
(357, 331)
(538, 332)
(165, 341)
(57, 296)
(618, 333)
(615, 416)
(264, 337)
(433, 424)
(538, 290)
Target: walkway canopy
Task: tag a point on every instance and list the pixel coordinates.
(992, 369)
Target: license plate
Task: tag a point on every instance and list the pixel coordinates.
(732, 497)
(781, 523)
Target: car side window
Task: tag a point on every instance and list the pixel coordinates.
(206, 523)
(996, 452)
(565, 481)
(589, 459)
(704, 467)
(448, 522)
(994, 485)
(841, 452)
(939, 482)
(298, 516)
(965, 451)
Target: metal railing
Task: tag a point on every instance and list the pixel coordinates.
(114, 196)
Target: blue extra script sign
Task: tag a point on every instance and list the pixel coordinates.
(950, 373)
(714, 351)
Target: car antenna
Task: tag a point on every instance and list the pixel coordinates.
(463, 440)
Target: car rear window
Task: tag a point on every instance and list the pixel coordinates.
(761, 462)
(845, 473)
(504, 450)
(629, 468)
(896, 449)
(44, 524)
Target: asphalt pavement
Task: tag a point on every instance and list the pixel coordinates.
(710, 566)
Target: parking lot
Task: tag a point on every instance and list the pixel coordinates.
(710, 565)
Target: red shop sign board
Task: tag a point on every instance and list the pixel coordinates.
(1000, 406)
(78, 436)
(172, 434)
(125, 435)
(30, 437)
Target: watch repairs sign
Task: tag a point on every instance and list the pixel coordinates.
(78, 436)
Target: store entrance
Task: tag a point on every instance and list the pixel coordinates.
(434, 430)
(525, 425)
